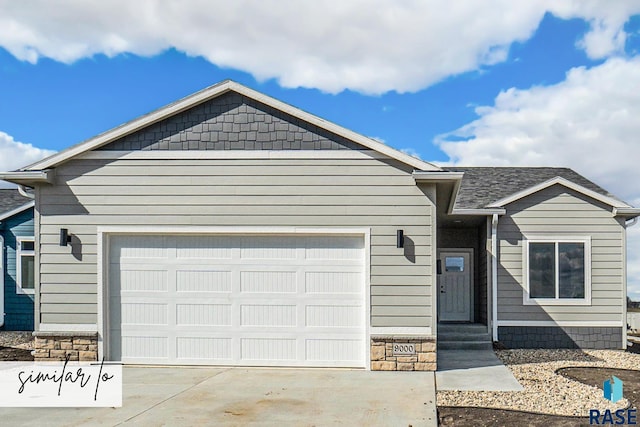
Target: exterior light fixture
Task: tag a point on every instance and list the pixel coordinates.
(400, 238)
(64, 237)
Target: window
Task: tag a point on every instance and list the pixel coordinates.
(454, 263)
(557, 270)
(25, 263)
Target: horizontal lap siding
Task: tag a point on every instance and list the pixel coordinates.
(311, 193)
(558, 210)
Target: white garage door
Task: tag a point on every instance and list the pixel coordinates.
(237, 300)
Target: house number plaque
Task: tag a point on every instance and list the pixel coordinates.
(404, 349)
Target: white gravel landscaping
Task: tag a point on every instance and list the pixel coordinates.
(544, 390)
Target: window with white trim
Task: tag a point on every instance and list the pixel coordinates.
(557, 270)
(25, 265)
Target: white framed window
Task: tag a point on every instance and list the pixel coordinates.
(25, 265)
(557, 270)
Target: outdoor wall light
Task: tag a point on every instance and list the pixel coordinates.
(64, 237)
(400, 238)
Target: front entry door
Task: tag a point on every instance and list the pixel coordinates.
(454, 297)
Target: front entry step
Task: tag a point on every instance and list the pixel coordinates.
(463, 336)
(464, 345)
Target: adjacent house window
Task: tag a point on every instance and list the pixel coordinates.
(25, 263)
(557, 270)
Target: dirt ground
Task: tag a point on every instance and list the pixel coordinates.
(15, 354)
(484, 417)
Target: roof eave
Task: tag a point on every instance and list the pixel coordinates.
(480, 211)
(29, 178)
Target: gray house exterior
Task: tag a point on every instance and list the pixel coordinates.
(230, 228)
(16, 267)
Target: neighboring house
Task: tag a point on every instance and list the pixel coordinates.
(230, 228)
(17, 267)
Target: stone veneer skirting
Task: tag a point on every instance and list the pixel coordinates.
(52, 346)
(559, 337)
(382, 358)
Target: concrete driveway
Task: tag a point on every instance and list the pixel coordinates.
(181, 396)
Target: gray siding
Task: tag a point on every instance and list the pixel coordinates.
(557, 210)
(315, 193)
(232, 122)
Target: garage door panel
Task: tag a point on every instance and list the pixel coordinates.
(144, 313)
(145, 347)
(204, 247)
(142, 280)
(268, 247)
(271, 348)
(333, 316)
(203, 314)
(268, 315)
(238, 300)
(137, 247)
(268, 281)
(205, 348)
(330, 349)
(333, 282)
(214, 281)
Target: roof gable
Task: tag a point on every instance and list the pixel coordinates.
(216, 91)
(231, 122)
(484, 187)
(565, 183)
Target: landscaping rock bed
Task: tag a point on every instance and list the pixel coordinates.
(546, 391)
(16, 346)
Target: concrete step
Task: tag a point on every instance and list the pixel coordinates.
(465, 345)
(461, 327)
(463, 336)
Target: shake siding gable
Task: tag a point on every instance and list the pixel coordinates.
(559, 211)
(232, 122)
(363, 192)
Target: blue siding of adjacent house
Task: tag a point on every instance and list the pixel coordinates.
(18, 308)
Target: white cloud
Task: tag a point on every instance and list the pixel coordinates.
(588, 122)
(331, 45)
(14, 155)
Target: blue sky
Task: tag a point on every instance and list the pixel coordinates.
(469, 83)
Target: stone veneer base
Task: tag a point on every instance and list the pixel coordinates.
(78, 346)
(560, 337)
(382, 358)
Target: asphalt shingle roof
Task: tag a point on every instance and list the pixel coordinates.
(482, 186)
(10, 199)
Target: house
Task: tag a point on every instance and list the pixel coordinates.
(17, 264)
(230, 228)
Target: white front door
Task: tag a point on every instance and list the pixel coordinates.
(454, 297)
(238, 300)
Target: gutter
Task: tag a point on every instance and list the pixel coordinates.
(494, 277)
(29, 178)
